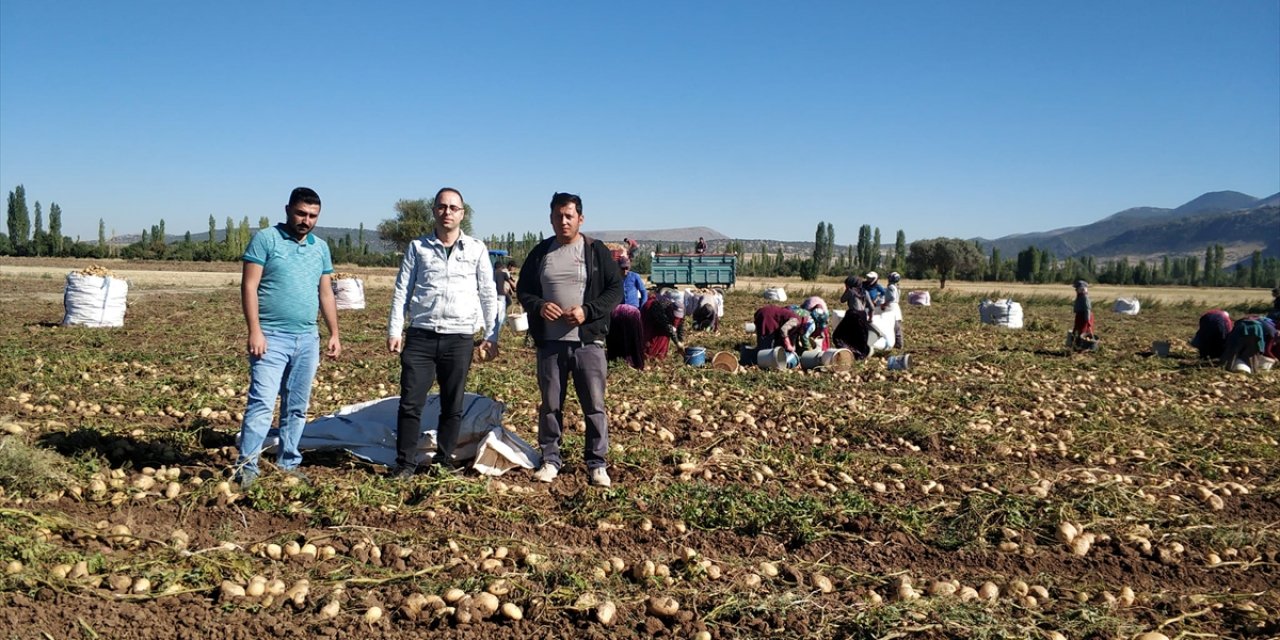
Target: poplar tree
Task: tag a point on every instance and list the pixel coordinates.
(55, 229)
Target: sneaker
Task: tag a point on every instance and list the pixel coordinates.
(600, 478)
(546, 473)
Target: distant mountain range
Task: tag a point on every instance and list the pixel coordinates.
(1239, 222)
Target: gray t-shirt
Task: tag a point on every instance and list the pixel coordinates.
(564, 280)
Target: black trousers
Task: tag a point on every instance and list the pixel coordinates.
(426, 356)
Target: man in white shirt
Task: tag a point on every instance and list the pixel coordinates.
(445, 287)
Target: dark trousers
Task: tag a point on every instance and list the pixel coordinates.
(557, 361)
(427, 355)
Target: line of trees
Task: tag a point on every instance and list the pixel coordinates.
(941, 258)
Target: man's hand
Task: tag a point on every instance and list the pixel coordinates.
(487, 350)
(550, 311)
(575, 316)
(257, 344)
(335, 348)
(394, 344)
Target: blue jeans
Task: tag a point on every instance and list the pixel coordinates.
(285, 370)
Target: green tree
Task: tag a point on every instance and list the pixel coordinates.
(818, 260)
(39, 243)
(56, 241)
(102, 237)
(900, 252)
(875, 250)
(413, 219)
(864, 247)
(264, 222)
(946, 258)
(19, 220)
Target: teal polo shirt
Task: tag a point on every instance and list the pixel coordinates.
(289, 293)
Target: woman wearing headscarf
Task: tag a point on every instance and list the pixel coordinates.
(852, 332)
(892, 297)
(817, 308)
(663, 322)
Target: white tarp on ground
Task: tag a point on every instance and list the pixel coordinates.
(918, 298)
(775, 294)
(1004, 313)
(94, 301)
(349, 293)
(368, 431)
(1127, 306)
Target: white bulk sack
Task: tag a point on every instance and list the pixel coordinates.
(1003, 313)
(349, 293)
(94, 301)
(775, 294)
(918, 298)
(368, 431)
(1127, 306)
(882, 336)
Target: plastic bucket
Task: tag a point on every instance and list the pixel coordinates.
(774, 358)
(836, 317)
(811, 359)
(695, 356)
(725, 361)
(837, 359)
(1160, 348)
(519, 321)
(900, 363)
(749, 327)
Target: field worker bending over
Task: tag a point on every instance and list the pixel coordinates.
(570, 285)
(1211, 337)
(853, 332)
(704, 307)
(817, 308)
(286, 279)
(778, 327)
(446, 288)
(663, 323)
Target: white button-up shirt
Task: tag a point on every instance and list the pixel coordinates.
(445, 293)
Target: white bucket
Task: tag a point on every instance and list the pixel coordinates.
(519, 321)
(837, 359)
(749, 327)
(771, 358)
(836, 317)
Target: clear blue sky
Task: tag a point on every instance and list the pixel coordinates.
(758, 119)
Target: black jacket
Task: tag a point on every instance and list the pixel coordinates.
(603, 290)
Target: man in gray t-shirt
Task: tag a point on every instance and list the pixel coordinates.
(564, 278)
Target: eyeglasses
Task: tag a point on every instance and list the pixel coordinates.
(451, 208)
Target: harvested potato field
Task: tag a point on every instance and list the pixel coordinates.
(998, 488)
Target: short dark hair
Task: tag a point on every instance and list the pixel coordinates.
(450, 190)
(561, 199)
(303, 195)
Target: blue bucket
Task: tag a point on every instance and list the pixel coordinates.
(695, 356)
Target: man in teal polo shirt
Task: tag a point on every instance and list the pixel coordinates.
(286, 278)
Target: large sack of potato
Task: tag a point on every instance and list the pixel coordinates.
(1002, 313)
(94, 298)
(1127, 306)
(348, 291)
